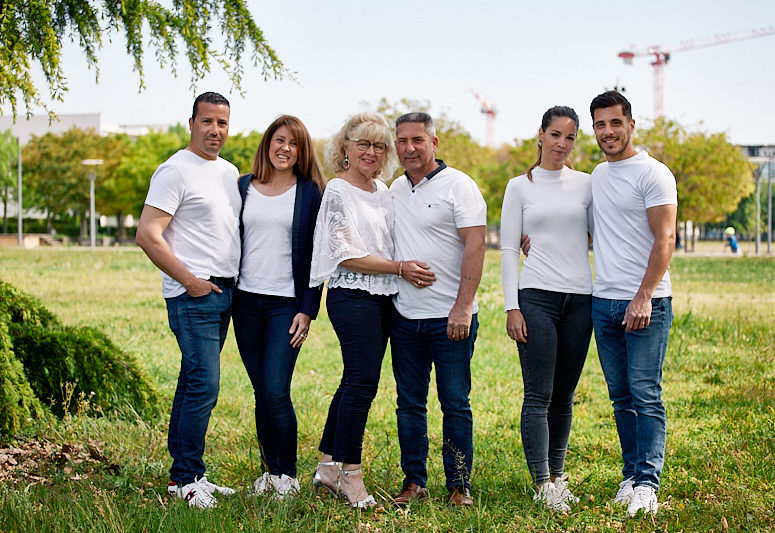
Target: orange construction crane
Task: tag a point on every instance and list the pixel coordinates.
(489, 111)
(661, 55)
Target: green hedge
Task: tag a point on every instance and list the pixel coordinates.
(40, 359)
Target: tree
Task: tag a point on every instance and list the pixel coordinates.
(240, 149)
(56, 180)
(712, 175)
(33, 31)
(743, 219)
(8, 155)
(125, 189)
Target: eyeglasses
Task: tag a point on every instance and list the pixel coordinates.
(362, 145)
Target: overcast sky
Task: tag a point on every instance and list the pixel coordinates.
(522, 56)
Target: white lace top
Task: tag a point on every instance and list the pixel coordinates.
(351, 224)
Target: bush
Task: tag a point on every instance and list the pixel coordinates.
(85, 357)
(43, 361)
(18, 404)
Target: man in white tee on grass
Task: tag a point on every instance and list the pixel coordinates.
(189, 228)
(635, 205)
(634, 208)
(440, 216)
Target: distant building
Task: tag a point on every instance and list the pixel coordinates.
(39, 125)
(764, 157)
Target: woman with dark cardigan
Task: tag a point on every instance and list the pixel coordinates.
(273, 304)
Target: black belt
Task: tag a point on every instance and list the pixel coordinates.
(226, 282)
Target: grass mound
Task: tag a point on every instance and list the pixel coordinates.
(43, 363)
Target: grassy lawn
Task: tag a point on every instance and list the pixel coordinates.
(719, 390)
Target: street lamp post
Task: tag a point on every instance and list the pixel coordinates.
(92, 177)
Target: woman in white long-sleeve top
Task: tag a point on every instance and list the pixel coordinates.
(548, 304)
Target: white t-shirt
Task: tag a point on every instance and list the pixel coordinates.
(202, 197)
(555, 210)
(353, 223)
(428, 217)
(266, 252)
(622, 193)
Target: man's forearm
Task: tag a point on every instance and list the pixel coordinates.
(470, 271)
(659, 261)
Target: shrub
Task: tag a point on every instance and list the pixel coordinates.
(43, 361)
(18, 403)
(85, 357)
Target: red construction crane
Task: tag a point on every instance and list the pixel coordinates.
(661, 55)
(489, 111)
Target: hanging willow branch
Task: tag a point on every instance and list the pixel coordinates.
(33, 31)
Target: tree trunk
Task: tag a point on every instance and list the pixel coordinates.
(121, 228)
(678, 239)
(5, 206)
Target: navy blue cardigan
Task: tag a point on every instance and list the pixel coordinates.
(305, 213)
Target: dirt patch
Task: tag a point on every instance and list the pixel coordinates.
(39, 461)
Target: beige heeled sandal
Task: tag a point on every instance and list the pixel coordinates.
(366, 503)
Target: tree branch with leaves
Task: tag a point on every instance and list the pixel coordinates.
(34, 31)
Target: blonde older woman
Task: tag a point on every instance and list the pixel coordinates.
(353, 251)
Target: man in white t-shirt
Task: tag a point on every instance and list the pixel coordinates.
(634, 206)
(440, 219)
(189, 228)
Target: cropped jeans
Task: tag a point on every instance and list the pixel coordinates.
(361, 322)
(416, 344)
(632, 364)
(200, 325)
(559, 327)
(261, 324)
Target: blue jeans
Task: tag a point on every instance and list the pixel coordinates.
(415, 346)
(200, 325)
(632, 364)
(261, 324)
(361, 322)
(559, 327)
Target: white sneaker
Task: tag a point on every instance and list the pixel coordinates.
(285, 486)
(643, 498)
(197, 495)
(624, 494)
(263, 484)
(561, 483)
(212, 488)
(550, 496)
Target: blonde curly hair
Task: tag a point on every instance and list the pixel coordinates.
(369, 126)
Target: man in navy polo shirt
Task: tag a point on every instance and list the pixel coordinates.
(440, 217)
(189, 228)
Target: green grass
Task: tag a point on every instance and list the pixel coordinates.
(719, 391)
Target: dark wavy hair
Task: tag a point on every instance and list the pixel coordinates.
(610, 99)
(307, 166)
(551, 114)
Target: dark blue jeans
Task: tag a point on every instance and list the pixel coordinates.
(261, 325)
(559, 327)
(632, 364)
(200, 325)
(415, 346)
(361, 322)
